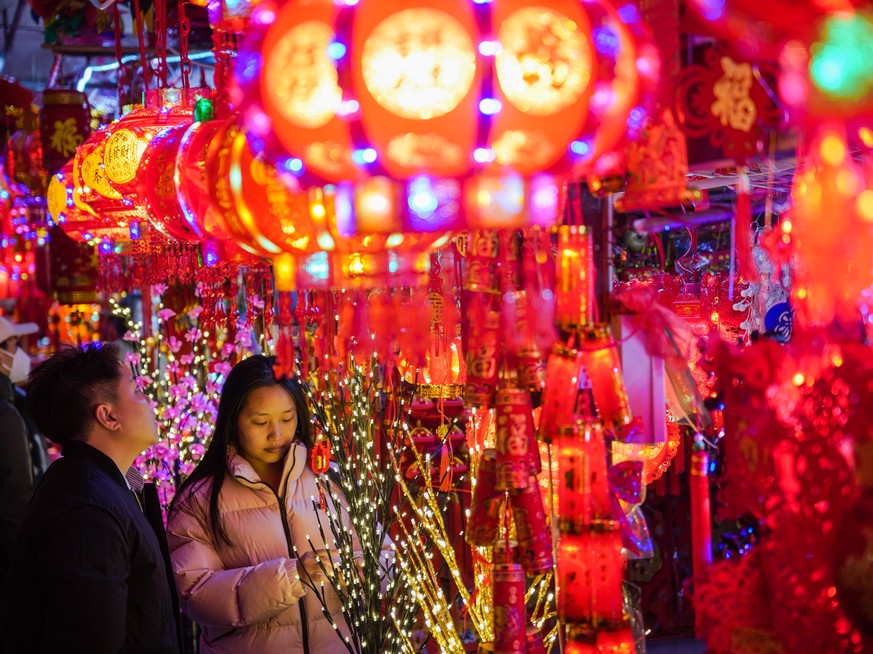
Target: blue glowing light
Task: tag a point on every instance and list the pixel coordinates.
(336, 50)
(606, 41)
(582, 148)
(364, 156)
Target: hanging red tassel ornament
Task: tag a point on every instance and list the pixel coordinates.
(319, 463)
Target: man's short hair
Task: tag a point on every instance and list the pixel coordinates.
(63, 391)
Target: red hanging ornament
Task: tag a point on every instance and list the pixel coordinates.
(319, 457)
(319, 463)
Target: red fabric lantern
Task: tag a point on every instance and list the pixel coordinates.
(79, 224)
(400, 89)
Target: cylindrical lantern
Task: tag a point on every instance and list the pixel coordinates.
(574, 278)
(486, 508)
(480, 264)
(590, 570)
(602, 368)
(583, 491)
(510, 616)
(534, 537)
(516, 443)
(482, 366)
(558, 412)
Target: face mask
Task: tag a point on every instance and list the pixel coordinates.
(15, 366)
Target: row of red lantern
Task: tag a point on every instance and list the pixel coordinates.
(200, 182)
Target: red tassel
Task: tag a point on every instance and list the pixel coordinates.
(445, 468)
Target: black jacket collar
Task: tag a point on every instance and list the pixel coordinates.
(80, 451)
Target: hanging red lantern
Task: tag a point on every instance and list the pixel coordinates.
(411, 91)
(319, 457)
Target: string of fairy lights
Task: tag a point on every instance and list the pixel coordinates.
(184, 390)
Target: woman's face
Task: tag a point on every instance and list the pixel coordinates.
(266, 425)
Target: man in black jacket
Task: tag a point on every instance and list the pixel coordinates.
(16, 465)
(89, 572)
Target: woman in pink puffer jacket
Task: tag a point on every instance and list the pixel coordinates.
(236, 521)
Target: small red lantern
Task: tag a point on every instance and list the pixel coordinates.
(319, 457)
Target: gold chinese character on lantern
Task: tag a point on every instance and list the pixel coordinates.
(66, 137)
(733, 104)
(545, 65)
(419, 63)
(301, 78)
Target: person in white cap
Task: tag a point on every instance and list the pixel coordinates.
(16, 471)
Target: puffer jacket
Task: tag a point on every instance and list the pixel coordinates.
(240, 594)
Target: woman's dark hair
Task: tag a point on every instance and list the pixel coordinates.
(63, 390)
(246, 376)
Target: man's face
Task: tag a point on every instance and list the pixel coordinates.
(134, 412)
(10, 344)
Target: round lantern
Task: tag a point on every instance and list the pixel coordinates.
(129, 137)
(157, 187)
(80, 225)
(99, 205)
(488, 95)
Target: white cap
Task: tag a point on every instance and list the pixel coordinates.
(10, 329)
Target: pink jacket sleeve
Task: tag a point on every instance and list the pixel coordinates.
(214, 596)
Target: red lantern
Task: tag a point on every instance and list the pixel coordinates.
(79, 224)
(319, 457)
(404, 90)
(510, 615)
(590, 569)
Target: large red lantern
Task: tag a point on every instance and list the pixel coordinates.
(488, 95)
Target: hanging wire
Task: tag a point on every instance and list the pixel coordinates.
(140, 29)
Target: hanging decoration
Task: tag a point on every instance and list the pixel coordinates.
(730, 102)
(65, 123)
